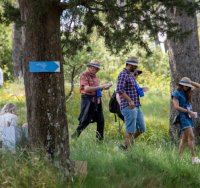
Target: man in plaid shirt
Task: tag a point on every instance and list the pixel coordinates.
(130, 103)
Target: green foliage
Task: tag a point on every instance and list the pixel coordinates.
(5, 51)
(156, 65)
(120, 24)
(94, 50)
(9, 13)
(73, 66)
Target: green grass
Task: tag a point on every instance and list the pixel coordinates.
(27, 169)
(155, 107)
(143, 166)
(152, 161)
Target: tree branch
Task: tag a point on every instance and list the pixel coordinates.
(71, 4)
(65, 5)
(85, 3)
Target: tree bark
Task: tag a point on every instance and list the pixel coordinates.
(69, 95)
(17, 51)
(184, 61)
(45, 96)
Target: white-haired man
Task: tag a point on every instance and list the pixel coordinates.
(91, 105)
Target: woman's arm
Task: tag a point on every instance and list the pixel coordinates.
(177, 107)
(180, 109)
(195, 84)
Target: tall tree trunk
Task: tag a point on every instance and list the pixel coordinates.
(17, 50)
(185, 61)
(45, 97)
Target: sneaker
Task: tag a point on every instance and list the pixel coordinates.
(123, 147)
(195, 160)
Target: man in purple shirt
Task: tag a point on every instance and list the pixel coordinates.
(130, 103)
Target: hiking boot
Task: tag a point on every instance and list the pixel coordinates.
(195, 160)
(123, 147)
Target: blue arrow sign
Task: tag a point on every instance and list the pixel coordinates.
(44, 66)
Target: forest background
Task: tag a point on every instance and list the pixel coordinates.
(153, 161)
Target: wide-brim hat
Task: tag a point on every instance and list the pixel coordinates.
(185, 81)
(95, 63)
(132, 61)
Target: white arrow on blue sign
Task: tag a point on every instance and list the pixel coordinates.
(44, 66)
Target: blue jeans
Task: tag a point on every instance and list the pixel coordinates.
(134, 120)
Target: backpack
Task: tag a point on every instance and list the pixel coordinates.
(115, 108)
(113, 104)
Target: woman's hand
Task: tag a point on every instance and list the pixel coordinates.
(192, 114)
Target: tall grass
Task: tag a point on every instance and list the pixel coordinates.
(151, 162)
(26, 170)
(142, 166)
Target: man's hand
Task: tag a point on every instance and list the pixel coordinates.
(131, 105)
(145, 88)
(107, 86)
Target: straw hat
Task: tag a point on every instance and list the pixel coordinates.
(185, 81)
(94, 63)
(132, 61)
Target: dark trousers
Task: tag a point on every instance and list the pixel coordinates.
(94, 115)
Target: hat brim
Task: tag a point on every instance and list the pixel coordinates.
(132, 62)
(135, 64)
(94, 65)
(185, 84)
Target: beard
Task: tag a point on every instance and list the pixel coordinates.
(133, 68)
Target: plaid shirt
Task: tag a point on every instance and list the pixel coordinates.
(88, 79)
(126, 84)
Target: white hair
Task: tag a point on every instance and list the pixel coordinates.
(8, 108)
